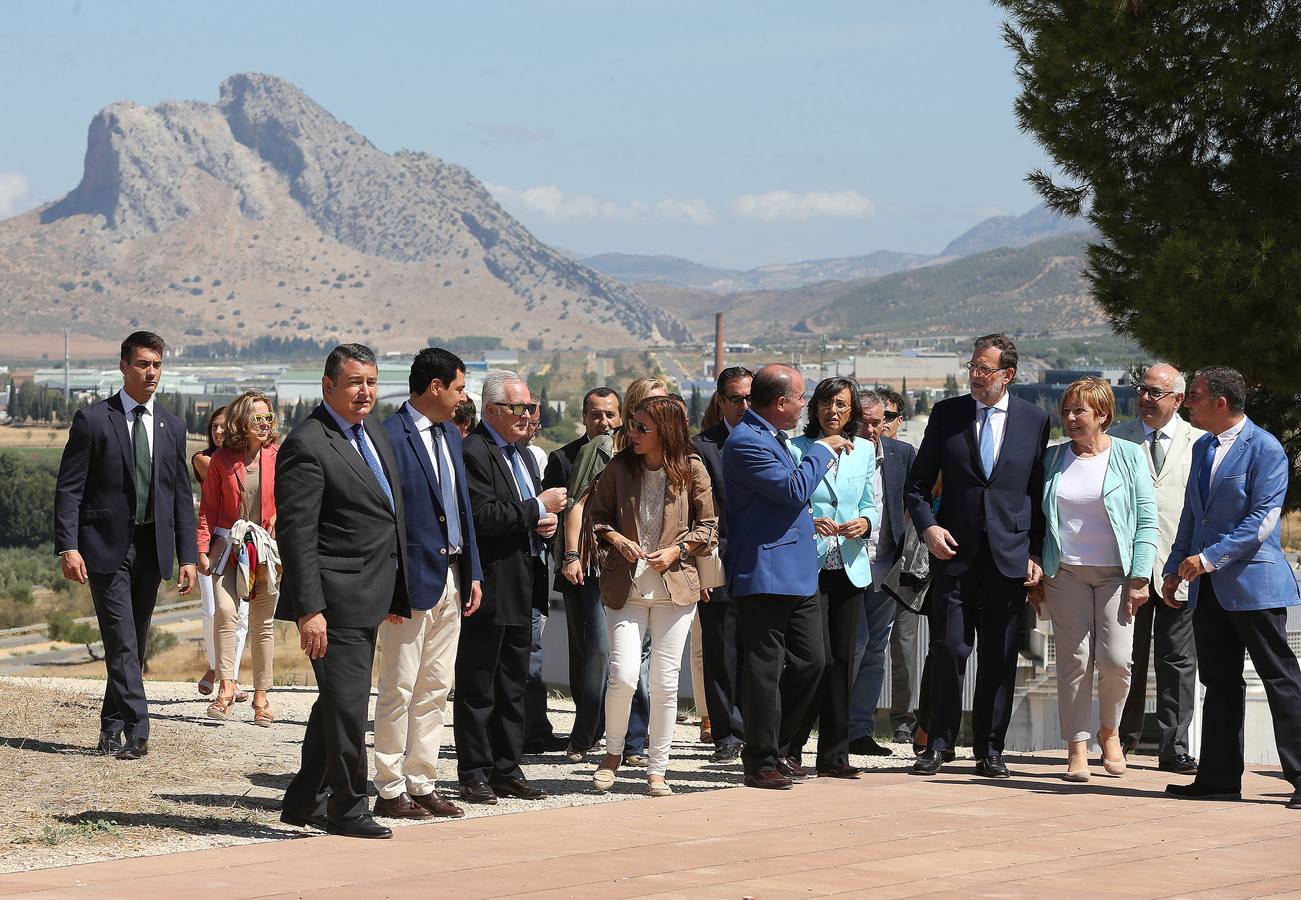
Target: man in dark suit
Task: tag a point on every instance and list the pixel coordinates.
(984, 544)
(884, 547)
(1240, 585)
(342, 540)
(513, 519)
(123, 510)
(718, 648)
(589, 650)
(772, 570)
(418, 654)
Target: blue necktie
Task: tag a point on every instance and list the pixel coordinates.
(450, 511)
(525, 483)
(987, 442)
(371, 461)
(1208, 458)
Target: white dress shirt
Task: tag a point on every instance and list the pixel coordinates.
(1224, 442)
(519, 489)
(439, 456)
(997, 422)
(129, 404)
(1165, 435)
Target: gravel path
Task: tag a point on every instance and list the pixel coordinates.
(207, 784)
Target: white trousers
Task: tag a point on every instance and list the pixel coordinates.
(1086, 604)
(208, 607)
(669, 627)
(417, 666)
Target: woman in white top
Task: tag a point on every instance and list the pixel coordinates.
(1098, 549)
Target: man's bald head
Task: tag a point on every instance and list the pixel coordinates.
(1159, 394)
(777, 394)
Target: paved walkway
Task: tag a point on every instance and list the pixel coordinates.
(886, 835)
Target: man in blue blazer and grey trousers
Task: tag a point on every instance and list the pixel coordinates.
(418, 654)
(1239, 584)
(984, 545)
(772, 569)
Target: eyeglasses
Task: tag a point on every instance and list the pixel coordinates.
(890, 416)
(264, 419)
(737, 399)
(641, 429)
(980, 370)
(836, 405)
(519, 409)
(1151, 393)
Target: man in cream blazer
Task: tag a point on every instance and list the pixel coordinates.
(1160, 394)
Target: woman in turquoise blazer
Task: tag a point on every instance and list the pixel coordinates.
(845, 514)
(1099, 545)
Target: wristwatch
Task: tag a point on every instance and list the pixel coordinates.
(682, 550)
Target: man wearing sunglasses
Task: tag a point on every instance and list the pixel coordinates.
(513, 520)
(984, 543)
(1167, 441)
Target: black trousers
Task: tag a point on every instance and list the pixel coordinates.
(1222, 637)
(981, 607)
(840, 604)
(124, 604)
(719, 651)
(492, 665)
(333, 776)
(1176, 675)
(783, 657)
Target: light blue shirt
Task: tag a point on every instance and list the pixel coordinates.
(519, 488)
(348, 432)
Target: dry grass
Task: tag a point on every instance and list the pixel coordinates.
(1292, 531)
(31, 438)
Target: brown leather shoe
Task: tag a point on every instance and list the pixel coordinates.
(400, 807)
(791, 768)
(438, 806)
(770, 779)
(478, 792)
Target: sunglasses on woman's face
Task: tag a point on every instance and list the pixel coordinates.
(263, 419)
(641, 429)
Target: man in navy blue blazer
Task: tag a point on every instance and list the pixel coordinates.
(418, 654)
(1239, 583)
(984, 543)
(123, 511)
(772, 570)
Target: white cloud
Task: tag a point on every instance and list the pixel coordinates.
(776, 206)
(15, 194)
(554, 205)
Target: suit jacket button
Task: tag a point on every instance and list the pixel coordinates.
(442, 551)
(833, 504)
(392, 556)
(442, 518)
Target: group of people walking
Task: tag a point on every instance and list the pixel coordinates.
(789, 558)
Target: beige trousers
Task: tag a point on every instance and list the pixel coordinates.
(1086, 605)
(698, 667)
(417, 665)
(261, 627)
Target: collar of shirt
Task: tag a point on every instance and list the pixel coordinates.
(344, 425)
(771, 429)
(1000, 405)
(1166, 431)
(497, 438)
(1229, 435)
(129, 403)
(727, 425)
(418, 418)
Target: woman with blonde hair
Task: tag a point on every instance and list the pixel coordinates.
(236, 533)
(1099, 543)
(652, 510)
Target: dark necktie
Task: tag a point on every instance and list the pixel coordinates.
(1208, 459)
(784, 440)
(373, 463)
(524, 481)
(144, 466)
(450, 511)
(1158, 452)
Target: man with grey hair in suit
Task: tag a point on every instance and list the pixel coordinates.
(1167, 442)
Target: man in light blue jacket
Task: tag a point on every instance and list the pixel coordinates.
(1239, 583)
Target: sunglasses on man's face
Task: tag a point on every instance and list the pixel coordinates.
(890, 415)
(519, 409)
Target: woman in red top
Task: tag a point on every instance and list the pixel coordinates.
(240, 485)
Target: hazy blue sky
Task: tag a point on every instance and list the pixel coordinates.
(733, 134)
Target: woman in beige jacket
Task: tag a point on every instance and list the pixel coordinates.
(652, 512)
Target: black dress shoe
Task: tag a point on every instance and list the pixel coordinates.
(903, 735)
(1182, 764)
(1128, 746)
(791, 768)
(518, 787)
(726, 753)
(400, 807)
(769, 779)
(1194, 791)
(109, 743)
(992, 766)
(867, 746)
(928, 763)
(547, 744)
(1295, 802)
(478, 792)
(314, 820)
(134, 748)
(844, 770)
(360, 827)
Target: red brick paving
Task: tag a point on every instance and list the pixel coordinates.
(886, 835)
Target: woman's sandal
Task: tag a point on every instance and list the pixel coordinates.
(219, 709)
(262, 715)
